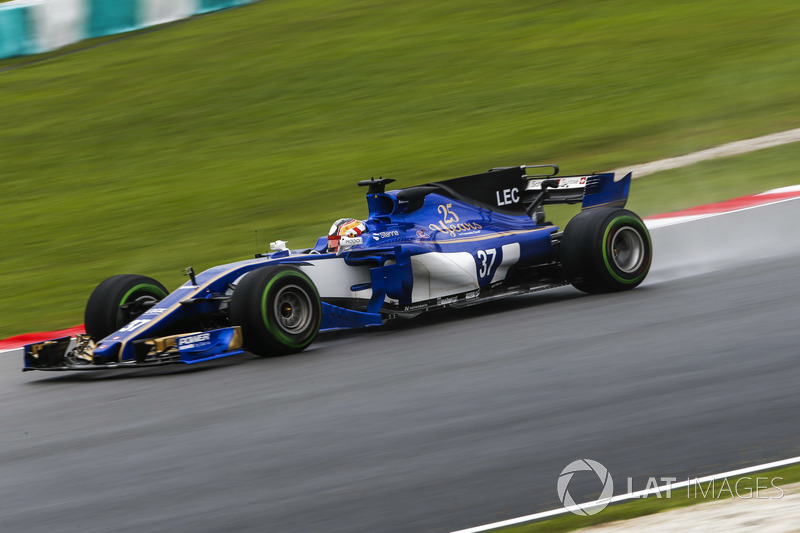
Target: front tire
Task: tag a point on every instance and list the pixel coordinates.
(606, 250)
(119, 300)
(279, 310)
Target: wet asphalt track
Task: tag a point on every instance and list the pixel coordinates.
(445, 422)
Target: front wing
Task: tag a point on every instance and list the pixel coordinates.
(187, 348)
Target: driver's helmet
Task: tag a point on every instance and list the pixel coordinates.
(349, 228)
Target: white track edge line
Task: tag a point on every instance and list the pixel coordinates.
(632, 495)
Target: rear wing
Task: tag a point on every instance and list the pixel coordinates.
(509, 190)
(591, 191)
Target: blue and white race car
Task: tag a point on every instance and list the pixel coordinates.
(450, 243)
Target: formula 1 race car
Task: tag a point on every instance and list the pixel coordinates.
(450, 243)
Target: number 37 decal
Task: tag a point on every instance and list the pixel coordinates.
(493, 263)
(486, 262)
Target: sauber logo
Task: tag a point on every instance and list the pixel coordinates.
(576, 182)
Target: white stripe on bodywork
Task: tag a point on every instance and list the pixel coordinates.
(439, 274)
(333, 278)
(510, 258)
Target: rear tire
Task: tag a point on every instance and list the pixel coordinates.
(606, 250)
(119, 300)
(279, 310)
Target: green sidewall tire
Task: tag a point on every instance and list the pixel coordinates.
(104, 313)
(620, 276)
(261, 296)
(588, 256)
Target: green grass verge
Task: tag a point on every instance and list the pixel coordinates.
(176, 146)
(678, 498)
(711, 181)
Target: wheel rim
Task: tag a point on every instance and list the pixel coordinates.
(627, 249)
(292, 309)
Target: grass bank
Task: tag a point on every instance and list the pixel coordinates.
(185, 145)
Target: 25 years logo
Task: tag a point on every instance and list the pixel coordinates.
(450, 222)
